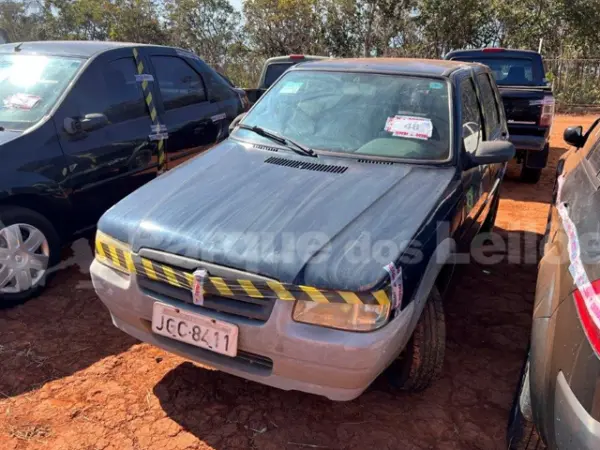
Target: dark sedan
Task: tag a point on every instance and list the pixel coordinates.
(83, 124)
(305, 251)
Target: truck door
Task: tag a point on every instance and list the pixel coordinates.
(192, 119)
(473, 179)
(109, 152)
(494, 130)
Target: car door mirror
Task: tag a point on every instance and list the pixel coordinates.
(235, 122)
(574, 136)
(492, 152)
(91, 122)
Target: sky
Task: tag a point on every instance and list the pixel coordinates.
(237, 4)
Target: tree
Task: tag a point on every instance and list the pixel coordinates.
(136, 21)
(209, 28)
(282, 27)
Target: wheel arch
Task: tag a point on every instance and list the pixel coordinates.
(56, 211)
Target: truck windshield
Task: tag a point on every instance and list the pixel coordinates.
(391, 116)
(511, 71)
(30, 86)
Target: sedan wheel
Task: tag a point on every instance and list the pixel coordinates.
(24, 258)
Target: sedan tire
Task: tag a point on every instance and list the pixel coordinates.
(29, 249)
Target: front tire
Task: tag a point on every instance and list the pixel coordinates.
(420, 364)
(29, 248)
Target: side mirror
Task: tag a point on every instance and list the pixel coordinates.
(235, 122)
(492, 152)
(90, 122)
(574, 136)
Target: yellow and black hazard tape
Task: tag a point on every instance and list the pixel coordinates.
(233, 288)
(157, 127)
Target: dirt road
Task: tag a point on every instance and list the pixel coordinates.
(70, 380)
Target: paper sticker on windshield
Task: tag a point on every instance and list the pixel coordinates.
(436, 85)
(409, 127)
(291, 87)
(21, 101)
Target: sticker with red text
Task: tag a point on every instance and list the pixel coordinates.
(409, 127)
(21, 101)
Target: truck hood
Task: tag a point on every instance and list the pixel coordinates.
(327, 222)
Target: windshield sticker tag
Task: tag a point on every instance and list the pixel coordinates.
(219, 117)
(21, 101)
(144, 77)
(396, 284)
(409, 127)
(198, 287)
(436, 85)
(291, 87)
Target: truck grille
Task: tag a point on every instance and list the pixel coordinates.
(256, 309)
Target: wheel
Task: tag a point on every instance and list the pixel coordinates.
(29, 248)
(421, 362)
(529, 175)
(521, 433)
(490, 220)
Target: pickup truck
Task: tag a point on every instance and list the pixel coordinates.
(306, 251)
(527, 98)
(273, 69)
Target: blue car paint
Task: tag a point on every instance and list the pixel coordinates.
(205, 209)
(211, 208)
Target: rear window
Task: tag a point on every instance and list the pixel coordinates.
(511, 71)
(274, 71)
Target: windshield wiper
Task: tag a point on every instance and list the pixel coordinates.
(294, 146)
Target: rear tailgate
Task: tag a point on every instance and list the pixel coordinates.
(523, 106)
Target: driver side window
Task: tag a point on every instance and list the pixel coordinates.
(471, 116)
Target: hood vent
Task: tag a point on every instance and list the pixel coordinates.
(372, 161)
(265, 147)
(305, 166)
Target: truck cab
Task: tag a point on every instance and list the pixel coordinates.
(527, 98)
(273, 69)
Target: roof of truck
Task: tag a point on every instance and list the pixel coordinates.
(409, 66)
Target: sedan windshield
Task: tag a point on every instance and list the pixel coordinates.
(360, 113)
(30, 85)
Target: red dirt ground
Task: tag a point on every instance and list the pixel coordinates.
(70, 380)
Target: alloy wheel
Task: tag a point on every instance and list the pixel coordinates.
(24, 258)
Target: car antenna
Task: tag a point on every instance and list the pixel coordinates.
(18, 47)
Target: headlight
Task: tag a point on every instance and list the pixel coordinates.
(355, 317)
(113, 253)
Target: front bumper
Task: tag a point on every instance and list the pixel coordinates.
(336, 364)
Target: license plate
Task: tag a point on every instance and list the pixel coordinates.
(195, 329)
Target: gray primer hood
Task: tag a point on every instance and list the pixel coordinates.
(330, 230)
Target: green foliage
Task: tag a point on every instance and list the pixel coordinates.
(237, 43)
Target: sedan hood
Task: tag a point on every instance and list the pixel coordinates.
(327, 222)
(7, 136)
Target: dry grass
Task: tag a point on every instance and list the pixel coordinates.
(30, 432)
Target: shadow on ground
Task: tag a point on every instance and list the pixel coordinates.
(488, 313)
(62, 331)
